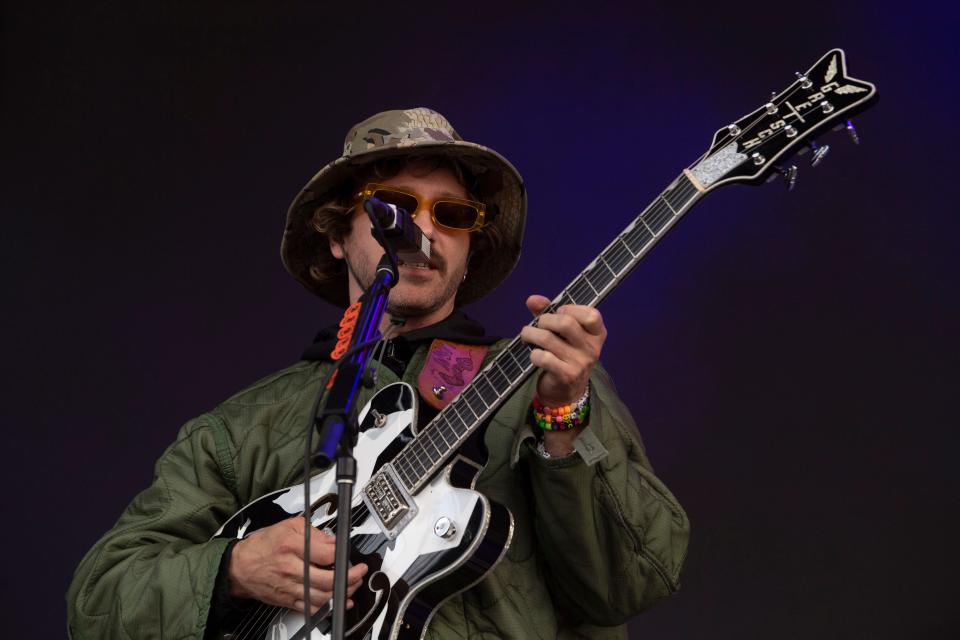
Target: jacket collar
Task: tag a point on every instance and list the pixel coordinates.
(457, 327)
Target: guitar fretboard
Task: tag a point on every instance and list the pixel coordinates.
(443, 435)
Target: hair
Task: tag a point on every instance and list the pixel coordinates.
(333, 217)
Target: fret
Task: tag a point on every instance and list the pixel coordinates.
(463, 410)
(421, 454)
(565, 298)
(424, 444)
(617, 256)
(459, 426)
(486, 390)
(452, 424)
(416, 464)
(427, 442)
(474, 400)
(599, 278)
(678, 197)
(509, 365)
(581, 292)
(663, 215)
(655, 218)
(436, 439)
(498, 379)
(593, 289)
(666, 202)
(637, 238)
(603, 262)
(442, 427)
(403, 471)
(520, 351)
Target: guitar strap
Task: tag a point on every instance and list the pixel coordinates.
(449, 368)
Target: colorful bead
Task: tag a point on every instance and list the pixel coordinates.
(561, 418)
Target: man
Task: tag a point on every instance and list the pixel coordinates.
(597, 537)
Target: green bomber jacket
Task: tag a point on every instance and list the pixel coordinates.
(593, 544)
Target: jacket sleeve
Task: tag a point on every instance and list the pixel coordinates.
(612, 537)
(152, 575)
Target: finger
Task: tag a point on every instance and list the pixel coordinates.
(323, 548)
(563, 372)
(321, 579)
(318, 598)
(548, 341)
(588, 318)
(298, 607)
(578, 325)
(569, 329)
(355, 576)
(357, 572)
(537, 303)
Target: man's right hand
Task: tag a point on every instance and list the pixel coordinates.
(268, 566)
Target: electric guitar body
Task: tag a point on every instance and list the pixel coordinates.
(456, 536)
(416, 521)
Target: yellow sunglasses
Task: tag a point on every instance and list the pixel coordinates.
(455, 214)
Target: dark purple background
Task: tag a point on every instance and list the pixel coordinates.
(791, 359)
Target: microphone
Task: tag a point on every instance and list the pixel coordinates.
(405, 237)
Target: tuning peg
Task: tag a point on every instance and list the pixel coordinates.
(852, 132)
(805, 82)
(819, 153)
(789, 175)
(771, 108)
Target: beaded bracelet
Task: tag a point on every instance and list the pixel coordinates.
(562, 418)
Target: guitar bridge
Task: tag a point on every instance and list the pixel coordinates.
(389, 501)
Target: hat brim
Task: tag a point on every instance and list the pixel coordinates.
(302, 244)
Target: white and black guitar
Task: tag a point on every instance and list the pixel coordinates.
(416, 521)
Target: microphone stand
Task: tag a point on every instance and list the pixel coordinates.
(337, 422)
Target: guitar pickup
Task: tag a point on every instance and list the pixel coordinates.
(389, 501)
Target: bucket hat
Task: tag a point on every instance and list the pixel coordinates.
(418, 132)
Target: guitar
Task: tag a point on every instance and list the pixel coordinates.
(417, 522)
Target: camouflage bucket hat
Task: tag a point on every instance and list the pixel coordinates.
(409, 133)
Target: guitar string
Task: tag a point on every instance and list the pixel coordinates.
(753, 124)
(685, 191)
(778, 132)
(253, 619)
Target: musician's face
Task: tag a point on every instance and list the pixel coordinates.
(424, 292)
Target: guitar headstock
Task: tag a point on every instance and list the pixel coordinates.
(752, 149)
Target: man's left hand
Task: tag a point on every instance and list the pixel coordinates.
(568, 344)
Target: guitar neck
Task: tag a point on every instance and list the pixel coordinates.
(439, 439)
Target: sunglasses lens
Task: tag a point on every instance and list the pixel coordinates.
(455, 215)
(403, 200)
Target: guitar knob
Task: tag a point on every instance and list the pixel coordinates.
(852, 132)
(819, 153)
(805, 82)
(789, 175)
(444, 528)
